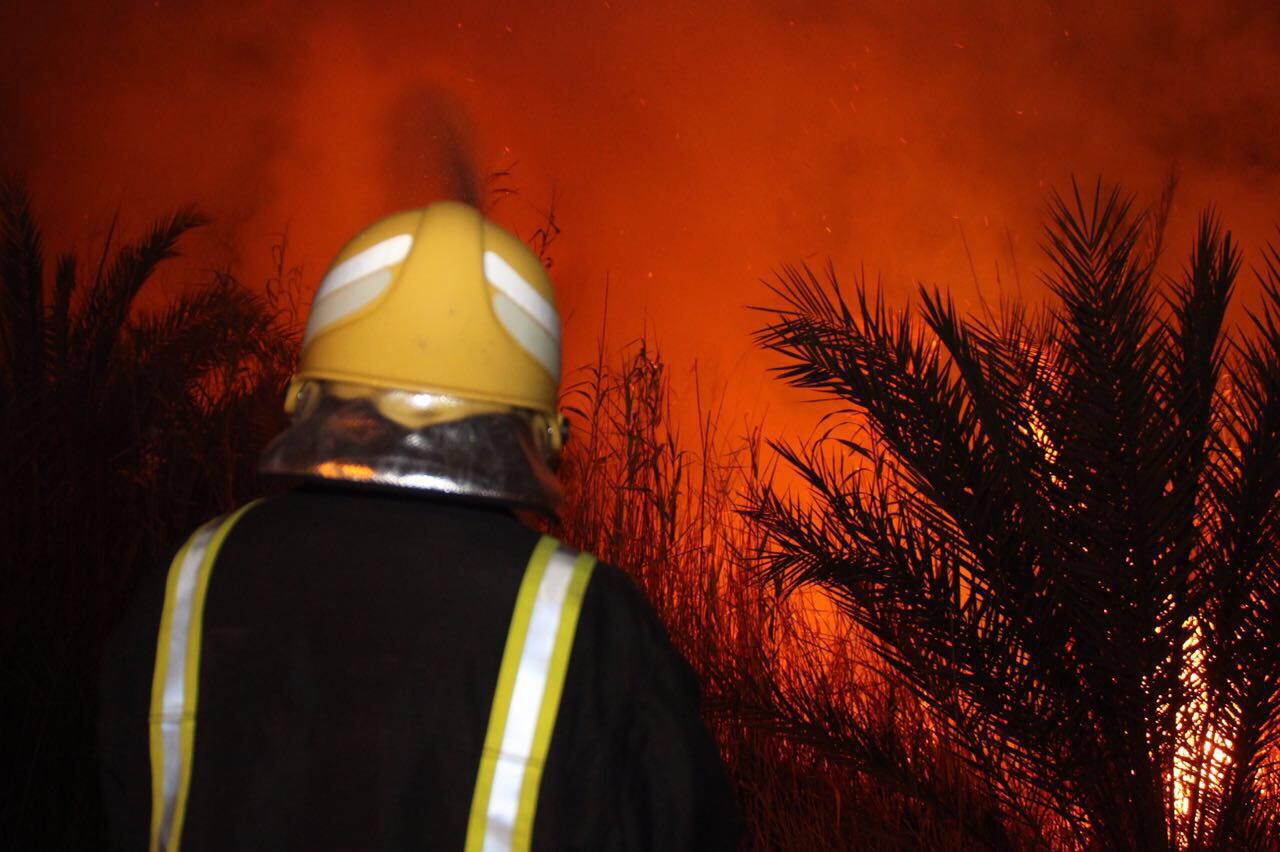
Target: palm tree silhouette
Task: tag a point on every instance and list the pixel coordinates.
(1060, 527)
(120, 428)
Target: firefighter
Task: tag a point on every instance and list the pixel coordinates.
(383, 656)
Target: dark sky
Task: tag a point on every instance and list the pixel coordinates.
(692, 147)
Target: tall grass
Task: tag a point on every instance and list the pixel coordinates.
(825, 752)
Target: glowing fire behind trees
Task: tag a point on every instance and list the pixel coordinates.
(1203, 751)
(1065, 535)
(1042, 688)
(1069, 696)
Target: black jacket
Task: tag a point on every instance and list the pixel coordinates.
(350, 649)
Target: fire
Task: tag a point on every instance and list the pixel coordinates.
(1204, 752)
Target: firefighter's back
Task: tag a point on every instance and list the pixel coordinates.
(349, 655)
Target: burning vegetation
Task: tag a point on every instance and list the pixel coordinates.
(1022, 593)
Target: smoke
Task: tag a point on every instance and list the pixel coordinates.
(131, 107)
(692, 146)
(430, 151)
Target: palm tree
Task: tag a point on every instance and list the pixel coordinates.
(120, 428)
(1060, 527)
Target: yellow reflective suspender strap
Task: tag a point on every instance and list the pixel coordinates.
(527, 698)
(177, 675)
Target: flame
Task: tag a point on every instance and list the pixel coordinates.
(1204, 751)
(1203, 754)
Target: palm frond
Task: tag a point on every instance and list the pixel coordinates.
(98, 321)
(1056, 527)
(21, 291)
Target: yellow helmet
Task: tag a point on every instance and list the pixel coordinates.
(431, 359)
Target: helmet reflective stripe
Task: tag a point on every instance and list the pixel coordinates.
(355, 282)
(177, 676)
(378, 256)
(527, 699)
(528, 334)
(504, 276)
(526, 314)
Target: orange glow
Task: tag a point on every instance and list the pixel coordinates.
(692, 147)
(344, 470)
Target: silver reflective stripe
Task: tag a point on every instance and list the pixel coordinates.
(387, 253)
(355, 282)
(176, 681)
(175, 676)
(527, 334)
(527, 700)
(505, 277)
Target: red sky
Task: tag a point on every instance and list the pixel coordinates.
(692, 147)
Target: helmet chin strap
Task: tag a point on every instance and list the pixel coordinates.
(555, 428)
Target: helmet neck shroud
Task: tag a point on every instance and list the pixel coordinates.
(502, 457)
